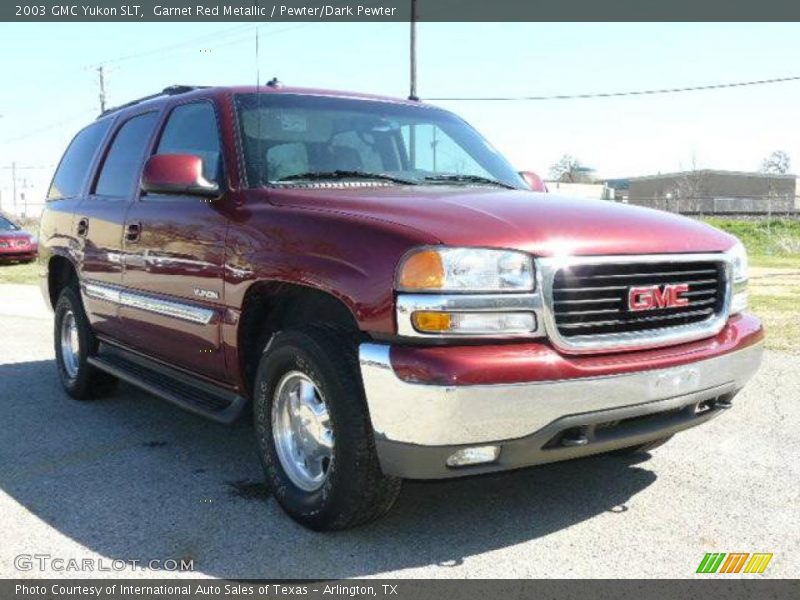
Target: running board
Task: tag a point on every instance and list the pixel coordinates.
(191, 394)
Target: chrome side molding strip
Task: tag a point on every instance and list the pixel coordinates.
(102, 292)
(146, 302)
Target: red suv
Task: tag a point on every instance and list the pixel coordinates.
(381, 290)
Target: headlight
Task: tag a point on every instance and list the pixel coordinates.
(465, 270)
(739, 297)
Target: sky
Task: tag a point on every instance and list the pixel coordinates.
(50, 87)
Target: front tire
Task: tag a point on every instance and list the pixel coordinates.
(314, 434)
(74, 343)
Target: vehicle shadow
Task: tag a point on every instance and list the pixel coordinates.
(132, 478)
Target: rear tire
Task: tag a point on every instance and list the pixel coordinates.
(74, 343)
(309, 403)
(643, 448)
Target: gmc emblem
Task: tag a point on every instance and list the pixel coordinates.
(652, 297)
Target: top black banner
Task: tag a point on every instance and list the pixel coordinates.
(400, 10)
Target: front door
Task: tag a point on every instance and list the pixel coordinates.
(174, 249)
(100, 218)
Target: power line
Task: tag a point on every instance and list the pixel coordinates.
(238, 34)
(50, 127)
(695, 88)
(165, 49)
(27, 167)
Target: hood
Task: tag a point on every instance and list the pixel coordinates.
(542, 224)
(15, 235)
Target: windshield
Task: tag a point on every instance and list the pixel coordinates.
(6, 225)
(289, 138)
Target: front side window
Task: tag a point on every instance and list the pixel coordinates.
(192, 129)
(120, 173)
(74, 166)
(288, 138)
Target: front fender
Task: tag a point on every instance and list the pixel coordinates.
(351, 258)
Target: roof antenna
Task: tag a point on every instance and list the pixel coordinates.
(274, 83)
(259, 146)
(258, 66)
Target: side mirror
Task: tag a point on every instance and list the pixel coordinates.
(177, 174)
(534, 181)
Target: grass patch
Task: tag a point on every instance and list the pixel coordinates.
(773, 247)
(775, 297)
(763, 237)
(779, 262)
(19, 273)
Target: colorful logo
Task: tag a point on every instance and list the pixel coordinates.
(734, 562)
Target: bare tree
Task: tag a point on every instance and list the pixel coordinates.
(778, 162)
(690, 191)
(568, 169)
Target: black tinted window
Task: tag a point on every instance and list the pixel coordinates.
(192, 129)
(74, 167)
(121, 168)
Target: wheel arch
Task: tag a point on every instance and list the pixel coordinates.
(272, 306)
(61, 272)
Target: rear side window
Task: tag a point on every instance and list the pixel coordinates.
(120, 172)
(192, 129)
(6, 225)
(74, 166)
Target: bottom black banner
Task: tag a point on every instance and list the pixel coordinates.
(191, 589)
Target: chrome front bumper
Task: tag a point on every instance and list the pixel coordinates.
(522, 418)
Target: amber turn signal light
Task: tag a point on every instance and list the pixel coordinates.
(422, 271)
(432, 322)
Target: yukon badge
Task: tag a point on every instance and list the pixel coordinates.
(653, 297)
(207, 294)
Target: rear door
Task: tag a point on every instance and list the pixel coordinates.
(100, 218)
(175, 253)
(57, 231)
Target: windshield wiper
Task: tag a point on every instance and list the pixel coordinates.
(456, 178)
(342, 174)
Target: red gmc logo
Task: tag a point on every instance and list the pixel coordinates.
(652, 297)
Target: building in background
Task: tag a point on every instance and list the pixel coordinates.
(707, 191)
(598, 191)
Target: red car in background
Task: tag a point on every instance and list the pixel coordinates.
(16, 244)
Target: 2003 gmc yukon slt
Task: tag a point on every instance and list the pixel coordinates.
(383, 289)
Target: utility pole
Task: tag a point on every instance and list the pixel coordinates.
(102, 89)
(14, 185)
(412, 133)
(413, 92)
(24, 197)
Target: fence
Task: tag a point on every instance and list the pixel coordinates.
(767, 206)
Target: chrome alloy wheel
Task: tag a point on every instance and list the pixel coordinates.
(301, 428)
(70, 344)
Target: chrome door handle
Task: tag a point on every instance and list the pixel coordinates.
(133, 231)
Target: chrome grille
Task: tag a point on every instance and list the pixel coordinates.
(593, 299)
(586, 300)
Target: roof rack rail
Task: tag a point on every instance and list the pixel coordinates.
(172, 90)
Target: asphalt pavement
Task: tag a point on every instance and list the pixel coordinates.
(131, 478)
